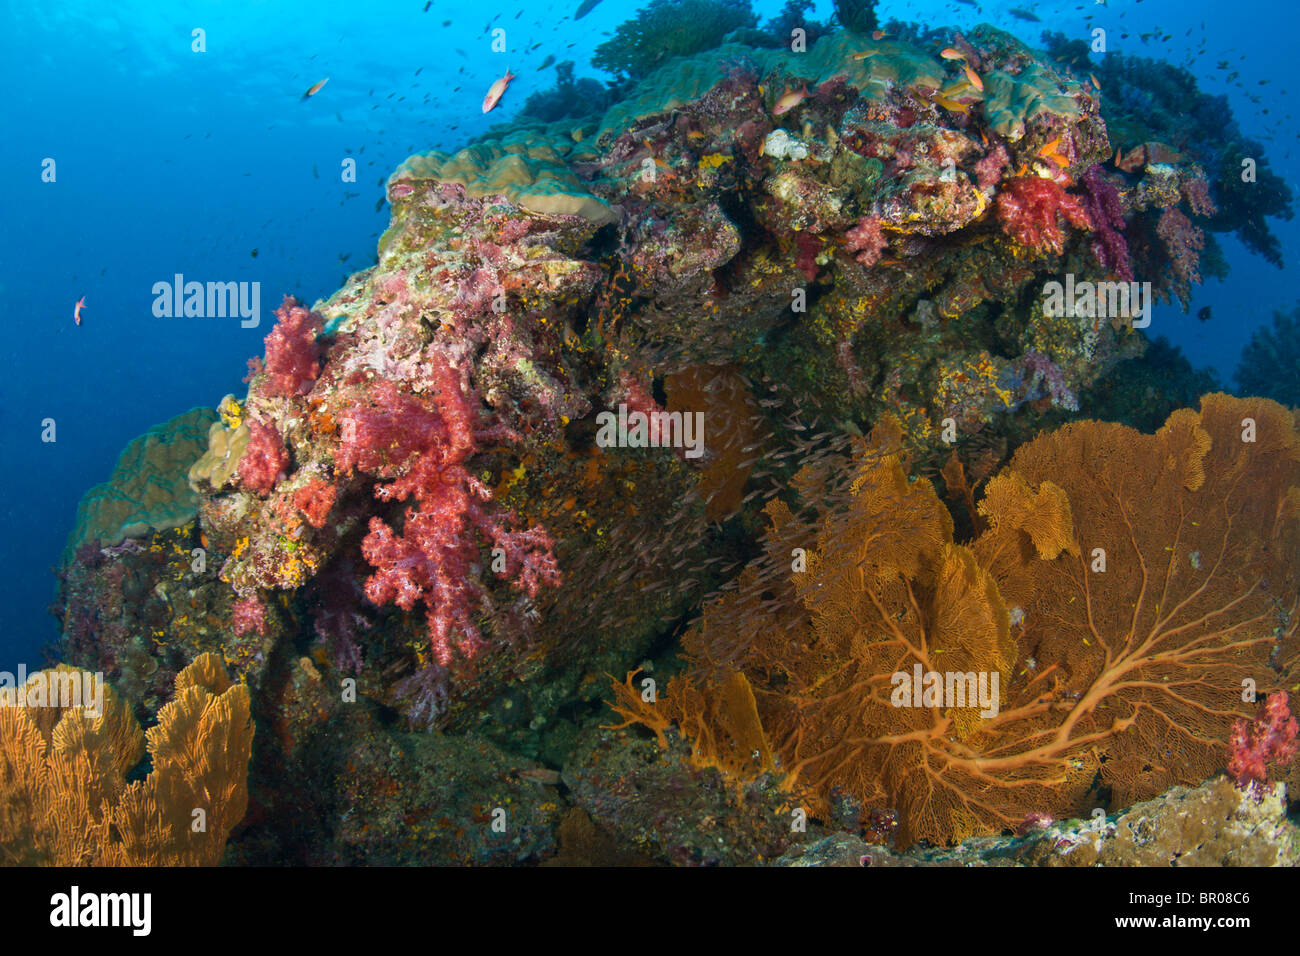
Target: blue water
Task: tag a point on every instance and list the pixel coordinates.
(173, 161)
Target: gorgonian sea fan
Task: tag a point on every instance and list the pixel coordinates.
(1147, 574)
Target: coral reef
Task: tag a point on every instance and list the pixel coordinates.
(1030, 210)
(1150, 104)
(428, 491)
(147, 491)
(1215, 824)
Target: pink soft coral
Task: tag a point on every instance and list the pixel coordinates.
(265, 462)
(1029, 207)
(423, 449)
(1183, 242)
(1269, 738)
(866, 240)
(292, 355)
(988, 171)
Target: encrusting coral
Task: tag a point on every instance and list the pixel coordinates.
(64, 796)
(147, 491)
(1125, 587)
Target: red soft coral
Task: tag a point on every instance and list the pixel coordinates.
(315, 499)
(292, 355)
(265, 462)
(1029, 209)
(1269, 738)
(423, 448)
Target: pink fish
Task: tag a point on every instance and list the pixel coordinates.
(789, 100)
(316, 88)
(495, 93)
(76, 309)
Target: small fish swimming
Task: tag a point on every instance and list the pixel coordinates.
(1021, 14)
(550, 58)
(585, 8)
(789, 100)
(76, 309)
(315, 89)
(496, 91)
(1203, 313)
(949, 53)
(974, 78)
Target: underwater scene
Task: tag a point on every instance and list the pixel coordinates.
(633, 434)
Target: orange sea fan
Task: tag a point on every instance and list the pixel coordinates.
(733, 430)
(1126, 588)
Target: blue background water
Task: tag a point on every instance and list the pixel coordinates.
(172, 161)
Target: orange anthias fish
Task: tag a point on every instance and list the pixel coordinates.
(789, 100)
(315, 89)
(1052, 153)
(879, 35)
(974, 78)
(949, 53)
(496, 91)
(76, 309)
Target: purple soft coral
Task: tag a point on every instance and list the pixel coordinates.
(1101, 199)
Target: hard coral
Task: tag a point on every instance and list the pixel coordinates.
(1029, 208)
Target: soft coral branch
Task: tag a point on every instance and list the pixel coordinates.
(1030, 208)
(422, 447)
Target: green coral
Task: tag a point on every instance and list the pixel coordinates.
(527, 166)
(148, 490)
(1010, 102)
(669, 28)
(216, 468)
